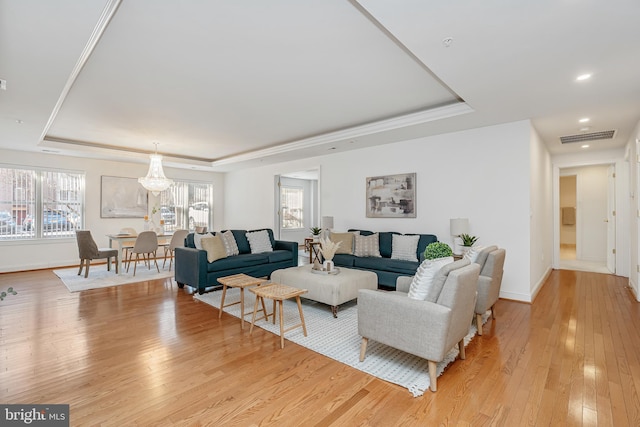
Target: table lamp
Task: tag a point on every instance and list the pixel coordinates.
(327, 225)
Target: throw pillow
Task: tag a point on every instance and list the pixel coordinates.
(259, 241)
(367, 246)
(405, 247)
(197, 239)
(214, 247)
(472, 253)
(423, 286)
(346, 242)
(230, 245)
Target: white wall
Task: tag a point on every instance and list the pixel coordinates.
(541, 213)
(633, 161)
(481, 174)
(46, 253)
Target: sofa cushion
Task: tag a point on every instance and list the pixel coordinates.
(367, 246)
(238, 261)
(259, 241)
(386, 243)
(345, 240)
(425, 240)
(405, 247)
(344, 260)
(279, 256)
(385, 264)
(241, 241)
(427, 283)
(214, 247)
(230, 245)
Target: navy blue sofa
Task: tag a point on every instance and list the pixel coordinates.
(387, 269)
(193, 269)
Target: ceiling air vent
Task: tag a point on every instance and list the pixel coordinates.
(583, 137)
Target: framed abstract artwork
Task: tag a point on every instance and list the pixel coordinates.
(391, 196)
(122, 198)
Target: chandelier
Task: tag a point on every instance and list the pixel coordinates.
(155, 181)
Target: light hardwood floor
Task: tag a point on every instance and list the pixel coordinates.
(148, 354)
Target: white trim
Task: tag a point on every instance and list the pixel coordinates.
(412, 119)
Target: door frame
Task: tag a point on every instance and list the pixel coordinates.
(556, 206)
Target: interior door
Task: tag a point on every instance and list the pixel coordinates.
(611, 219)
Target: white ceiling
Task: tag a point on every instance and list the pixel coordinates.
(221, 85)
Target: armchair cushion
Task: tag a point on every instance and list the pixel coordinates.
(427, 283)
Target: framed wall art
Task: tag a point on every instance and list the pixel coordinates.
(122, 198)
(391, 196)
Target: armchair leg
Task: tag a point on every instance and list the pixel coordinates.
(86, 270)
(493, 311)
(81, 265)
(479, 323)
(363, 348)
(463, 355)
(433, 378)
(117, 269)
(108, 263)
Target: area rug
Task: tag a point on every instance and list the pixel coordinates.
(339, 339)
(99, 277)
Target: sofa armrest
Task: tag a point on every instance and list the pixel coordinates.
(191, 267)
(392, 318)
(288, 246)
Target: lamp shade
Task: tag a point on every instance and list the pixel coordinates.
(327, 222)
(459, 226)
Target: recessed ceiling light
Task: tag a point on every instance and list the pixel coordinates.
(585, 146)
(584, 120)
(583, 77)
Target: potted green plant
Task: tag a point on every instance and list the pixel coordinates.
(315, 232)
(468, 240)
(437, 250)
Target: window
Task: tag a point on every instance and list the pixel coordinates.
(187, 205)
(40, 203)
(291, 201)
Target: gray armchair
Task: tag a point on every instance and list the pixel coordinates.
(88, 250)
(491, 261)
(422, 328)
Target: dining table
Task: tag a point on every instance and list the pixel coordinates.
(120, 239)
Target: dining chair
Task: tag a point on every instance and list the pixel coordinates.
(88, 250)
(176, 240)
(128, 245)
(147, 246)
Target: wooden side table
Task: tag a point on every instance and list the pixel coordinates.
(237, 281)
(279, 293)
(314, 252)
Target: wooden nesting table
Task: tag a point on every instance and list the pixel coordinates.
(237, 281)
(279, 293)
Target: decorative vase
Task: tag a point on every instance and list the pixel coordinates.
(316, 238)
(327, 265)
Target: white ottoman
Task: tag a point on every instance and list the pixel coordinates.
(331, 289)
